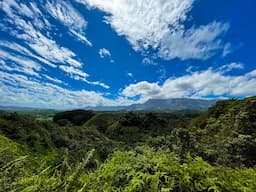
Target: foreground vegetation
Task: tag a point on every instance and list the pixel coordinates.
(128, 151)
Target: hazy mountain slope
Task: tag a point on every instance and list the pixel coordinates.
(173, 104)
(162, 104)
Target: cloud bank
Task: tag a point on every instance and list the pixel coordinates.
(200, 84)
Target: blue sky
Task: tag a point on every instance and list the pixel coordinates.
(79, 53)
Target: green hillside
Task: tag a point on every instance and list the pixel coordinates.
(131, 151)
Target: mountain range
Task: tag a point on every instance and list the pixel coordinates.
(174, 104)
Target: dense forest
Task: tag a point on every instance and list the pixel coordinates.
(142, 151)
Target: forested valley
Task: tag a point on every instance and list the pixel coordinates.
(136, 151)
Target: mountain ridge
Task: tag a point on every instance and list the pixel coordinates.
(174, 104)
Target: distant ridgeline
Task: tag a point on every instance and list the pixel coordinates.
(173, 104)
(81, 150)
(162, 104)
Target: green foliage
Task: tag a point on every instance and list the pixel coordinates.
(102, 121)
(226, 134)
(76, 117)
(145, 169)
(25, 130)
(133, 128)
(131, 152)
(25, 175)
(8, 144)
(141, 170)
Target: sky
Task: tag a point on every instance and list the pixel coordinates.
(79, 53)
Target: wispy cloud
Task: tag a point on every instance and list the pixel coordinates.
(19, 63)
(26, 22)
(231, 66)
(162, 73)
(64, 12)
(21, 50)
(79, 75)
(12, 8)
(55, 80)
(15, 9)
(227, 49)
(43, 46)
(156, 24)
(73, 72)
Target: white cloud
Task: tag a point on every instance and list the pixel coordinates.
(195, 43)
(159, 24)
(64, 12)
(104, 53)
(143, 88)
(143, 22)
(201, 84)
(130, 74)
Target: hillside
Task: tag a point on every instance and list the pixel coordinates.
(226, 134)
(131, 151)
